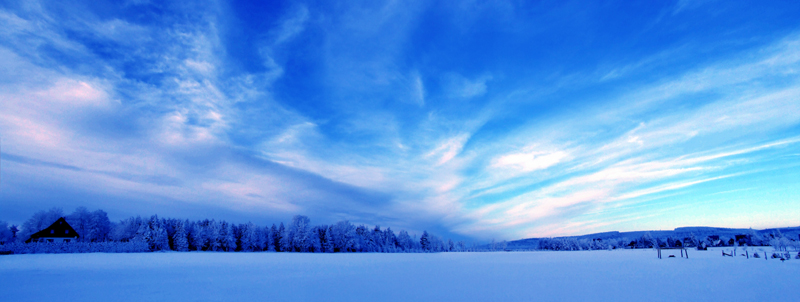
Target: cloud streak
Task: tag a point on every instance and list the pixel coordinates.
(391, 114)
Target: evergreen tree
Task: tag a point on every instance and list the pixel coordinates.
(228, 240)
(314, 242)
(327, 244)
(424, 241)
(756, 238)
(199, 236)
(377, 240)
(462, 246)
(390, 240)
(188, 228)
(284, 239)
(404, 241)
(14, 230)
(126, 229)
(160, 239)
(179, 239)
(261, 238)
(268, 240)
(100, 226)
(212, 236)
(5, 233)
(299, 230)
(248, 241)
(153, 234)
(361, 238)
(276, 237)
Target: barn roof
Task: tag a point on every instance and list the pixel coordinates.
(59, 229)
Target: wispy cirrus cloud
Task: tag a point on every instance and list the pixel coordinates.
(181, 111)
(508, 122)
(654, 156)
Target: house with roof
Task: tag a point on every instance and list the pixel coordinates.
(59, 231)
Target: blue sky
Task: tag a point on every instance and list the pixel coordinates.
(496, 119)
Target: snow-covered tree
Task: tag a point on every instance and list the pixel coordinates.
(313, 240)
(276, 237)
(227, 238)
(14, 230)
(100, 226)
(198, 237)
(299, 229)
(647, 241)
(91, 226)
(756, 238)
(462, 246)
(425, 243)
(266, 233)
(376, 240)
(180, 239)
(390, 240)
(404, 241)
(154, 234)
(327, 245)
(343, 235)
(252, 240)
(79, 220)
(287, 236)
(361, 239)
(5, 233)
(39, 221)
(280, 241)
(212, 236)
(126, 229)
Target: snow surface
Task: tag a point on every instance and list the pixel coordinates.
(620, 275)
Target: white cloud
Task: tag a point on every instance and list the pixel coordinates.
(528, 161)
(418, 89)
(292, 26)
(663, 152)
(625, 148)
(448, 149)
(460, 87)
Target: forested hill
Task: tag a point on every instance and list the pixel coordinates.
(623, 239)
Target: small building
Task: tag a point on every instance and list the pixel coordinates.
(743, 240)
(715, 241)
(59, 231)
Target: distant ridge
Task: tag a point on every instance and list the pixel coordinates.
(699, 232)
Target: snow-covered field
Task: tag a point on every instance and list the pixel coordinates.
(623, 275)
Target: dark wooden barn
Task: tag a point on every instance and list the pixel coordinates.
(59, 231)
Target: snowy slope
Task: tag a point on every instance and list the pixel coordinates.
(617, 275)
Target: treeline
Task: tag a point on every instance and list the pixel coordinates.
(135, 234)
(576, 244)
(775, 239)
